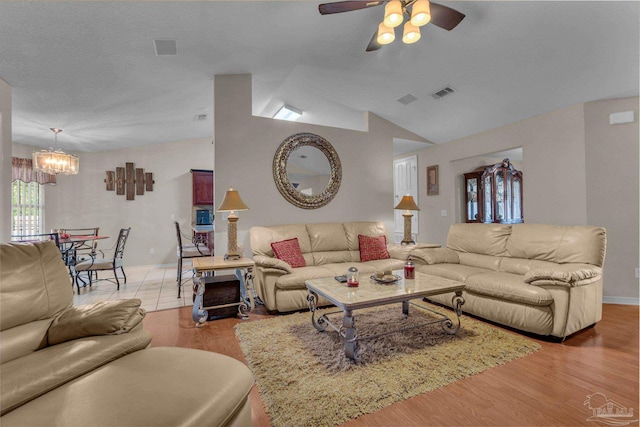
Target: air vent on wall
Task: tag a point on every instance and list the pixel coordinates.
(200, 117)
(446, 91)
(407, 99)
(165, 47)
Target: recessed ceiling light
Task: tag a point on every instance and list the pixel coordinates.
(288, 113)
(165, 47)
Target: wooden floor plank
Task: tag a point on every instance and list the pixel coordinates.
(548, 387)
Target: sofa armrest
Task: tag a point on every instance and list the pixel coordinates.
(564, 274)
(101, 318)
(431, 256)
(272, 263)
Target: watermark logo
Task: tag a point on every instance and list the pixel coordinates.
(609, 411)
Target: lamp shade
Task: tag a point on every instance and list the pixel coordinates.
(393, 14)
(411, 33)
(407, 204)
(232, 202)
(55, 162)
(421, 13)
(385, 34)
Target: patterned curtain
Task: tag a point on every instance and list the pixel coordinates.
(22, 169)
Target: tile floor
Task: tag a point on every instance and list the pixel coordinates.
(155, 286)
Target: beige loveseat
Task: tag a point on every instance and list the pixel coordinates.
(89, 365)
(542, 279)
(329, 249)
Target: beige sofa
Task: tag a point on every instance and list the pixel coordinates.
(542, 279)
(329, 249)
(89, 365)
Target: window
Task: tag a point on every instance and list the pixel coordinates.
(27, 207)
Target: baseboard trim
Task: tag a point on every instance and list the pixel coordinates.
(621, 300)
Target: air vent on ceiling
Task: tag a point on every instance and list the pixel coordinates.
(446, 91)
(200, 117)
(407, 99)
(165, 47)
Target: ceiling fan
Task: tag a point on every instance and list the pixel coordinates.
(421, 13)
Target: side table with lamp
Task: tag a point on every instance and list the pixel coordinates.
(233, 259)
(407, 204)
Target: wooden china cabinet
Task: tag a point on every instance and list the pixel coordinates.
(493, 194)
(202, 190)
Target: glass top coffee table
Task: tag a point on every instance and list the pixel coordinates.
(372, 294)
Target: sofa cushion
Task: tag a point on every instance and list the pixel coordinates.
(289, 251)
(261, 237)
(436, 256)
(486, 239)
(385, 264)
(565, 273)
(372, 248)
(28, 377)
(153, 387)
(101, 318)
(456, 272)
(509, 287)
(366, 228)
(327, 237)
(329, 257)
(33, 275)
(481, 261)
(296, 279)
(340, 268)
(24, 339)
(560, 244)
(522, 265)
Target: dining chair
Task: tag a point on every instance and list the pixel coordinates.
(197, 248)
(105, 264)
(87, 249)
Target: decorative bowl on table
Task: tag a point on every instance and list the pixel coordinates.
(387, 279)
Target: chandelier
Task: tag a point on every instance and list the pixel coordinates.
(394, 15)
(56, 162)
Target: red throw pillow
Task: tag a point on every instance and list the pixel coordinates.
(372, 248)
(289, 251)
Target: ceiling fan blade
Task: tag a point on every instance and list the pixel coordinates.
(445, 17)
(373, 44)
(346, 6)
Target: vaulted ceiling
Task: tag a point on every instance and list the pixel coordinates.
(90, 68)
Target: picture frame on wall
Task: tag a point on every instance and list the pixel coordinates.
(432, 180)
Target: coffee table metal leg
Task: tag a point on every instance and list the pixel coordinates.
(198, 314)
(447, 324)
(405, 308)
(321, 323)
(350, 335)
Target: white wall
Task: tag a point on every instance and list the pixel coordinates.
(562, 183)
(245, 146)
(82, 201)
(5, 161)
(612, 191)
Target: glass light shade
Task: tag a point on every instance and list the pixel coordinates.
(393, 14)
(56, 162)
(411, 33)
(232, 202)
(385, 34)
(421, 13)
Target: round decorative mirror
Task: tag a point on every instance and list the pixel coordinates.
(307, 170)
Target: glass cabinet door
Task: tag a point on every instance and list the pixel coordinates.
(472, 199)
(493, 194)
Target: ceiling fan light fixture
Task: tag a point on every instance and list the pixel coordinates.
(421, 13)
(411, 33)
(385, 34)
(393, 14)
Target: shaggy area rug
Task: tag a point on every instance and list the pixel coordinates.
(306, 380)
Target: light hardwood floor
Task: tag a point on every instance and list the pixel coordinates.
(548, 387)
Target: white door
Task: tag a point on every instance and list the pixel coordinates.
(405, 181)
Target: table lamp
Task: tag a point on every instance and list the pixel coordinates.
(232, 203)
(407, 204)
